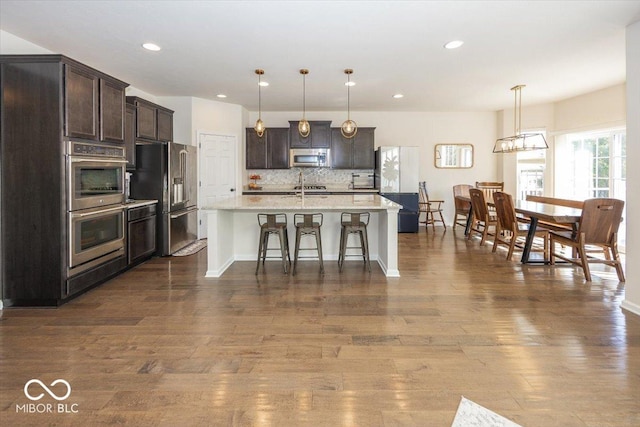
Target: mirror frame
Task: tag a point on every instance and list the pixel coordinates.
(437, 157)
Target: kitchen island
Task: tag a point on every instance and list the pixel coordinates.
(233, 231)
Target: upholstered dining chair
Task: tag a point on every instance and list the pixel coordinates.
(597, 230)
(482, 218)
(429, 207)
(509, 229)
(462, 207)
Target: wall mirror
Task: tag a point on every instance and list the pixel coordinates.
(454, 156)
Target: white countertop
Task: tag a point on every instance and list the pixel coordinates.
(290, 189)
(369, 202)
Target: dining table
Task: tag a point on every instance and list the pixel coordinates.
(536, 212)
(549, 213)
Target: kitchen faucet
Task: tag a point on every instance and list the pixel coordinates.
(301, 181)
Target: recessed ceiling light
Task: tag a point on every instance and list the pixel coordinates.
(221, 95)
(398, 96)
(151, 46)
(263, 84)
(454, 44)
(350, 84)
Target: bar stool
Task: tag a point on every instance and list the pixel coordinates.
(273, 224)
(307, 225)
(354, 223)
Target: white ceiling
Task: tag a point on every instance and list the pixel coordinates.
(559, 49)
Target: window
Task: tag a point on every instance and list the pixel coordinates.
(590, 165)
(594, 167)
(531, 167)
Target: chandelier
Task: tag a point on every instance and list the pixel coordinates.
(519, 141)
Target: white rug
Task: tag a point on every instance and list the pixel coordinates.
(192, 248)
(471, 414)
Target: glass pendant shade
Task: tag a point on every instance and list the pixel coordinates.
(303, 126)
(259, 127)
(349, 128)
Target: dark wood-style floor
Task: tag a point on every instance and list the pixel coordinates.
(162, 345)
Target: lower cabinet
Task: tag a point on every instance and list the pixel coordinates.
(141, 233)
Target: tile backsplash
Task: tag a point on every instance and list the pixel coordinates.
(324, 176)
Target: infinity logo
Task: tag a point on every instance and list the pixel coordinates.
(45, 388)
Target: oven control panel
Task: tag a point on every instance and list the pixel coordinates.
(86, 149)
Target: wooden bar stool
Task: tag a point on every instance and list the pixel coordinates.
(273, 224)
(354, 223)
(307, 225)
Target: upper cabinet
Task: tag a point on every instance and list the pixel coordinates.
(165, 124)
(271, 151)
(130, 135)
(355, 153)
(153, 122)
(94, 105)
(319, 137)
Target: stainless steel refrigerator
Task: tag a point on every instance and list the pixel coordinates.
(167, 172)
(397, 176)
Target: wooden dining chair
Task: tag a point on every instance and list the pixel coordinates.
(462, 207)
(488, 188)
(597, 231)
(429, 207)
(482, 219)
(510, 228)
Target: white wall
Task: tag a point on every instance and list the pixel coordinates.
(632, 287)
(422, 129)
(13, 45)
(596, 110)
(182, 117)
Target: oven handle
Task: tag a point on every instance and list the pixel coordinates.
(101, 211)
(87, 159)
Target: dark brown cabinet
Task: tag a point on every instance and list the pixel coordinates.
(355, 153)
(141, 233)
(81, 103)
(165, 124)
(130, 135)
(112, 108)
(46, 99)
(153, 122)
(319, 137)
(94, 105)
(271, 151)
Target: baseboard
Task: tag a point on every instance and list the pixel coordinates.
(630, 306)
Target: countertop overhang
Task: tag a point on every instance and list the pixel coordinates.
(372, 202)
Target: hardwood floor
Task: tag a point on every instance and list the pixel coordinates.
(162, 345)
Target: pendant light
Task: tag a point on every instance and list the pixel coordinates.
(349, 128)
(303, 126)
(259, 127)
(519, 141)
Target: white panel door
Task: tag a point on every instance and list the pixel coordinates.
(217, 172)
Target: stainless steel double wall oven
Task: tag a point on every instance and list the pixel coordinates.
(95, 204)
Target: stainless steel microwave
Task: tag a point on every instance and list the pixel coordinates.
(309, 157)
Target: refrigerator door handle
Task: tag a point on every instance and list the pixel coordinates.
(183, 173)
(183, 213)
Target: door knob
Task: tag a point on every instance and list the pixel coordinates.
(233, 189)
